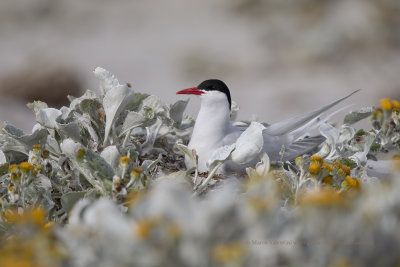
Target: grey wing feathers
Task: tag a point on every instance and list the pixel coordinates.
(286, 126)
(302, 147)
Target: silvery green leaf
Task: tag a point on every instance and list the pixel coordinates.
(3, 169)
(111, 155)
(151, 137)
(65, 113)
(249, 144)
(346, 134)
(114, 101)
(3, 158)
(68, 200)
(149, 165)
(332, 135)
(88, 96)
(132, 120)
(220, 154)
(12, 130)
(191, 153)
(52, 145)
(38, 135)
(156, 105)
(177, 109)
(99, 166)
(47, 117)
(356, 116)
(361, 157)
(9, 144)
(262, 167)
(84, 120)
(137, 101)
(106, 78)
(71, 130)
(69, 147)
(36, 106)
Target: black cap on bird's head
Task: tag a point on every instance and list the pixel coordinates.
(208, 85)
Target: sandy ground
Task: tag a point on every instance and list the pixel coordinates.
(164, 46)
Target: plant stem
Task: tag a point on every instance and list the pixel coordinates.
(205, 183)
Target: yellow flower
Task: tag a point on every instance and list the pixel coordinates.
(337, 165)
(227, 252)
(351, 183)
(299, 161)
(26, 166)
(316, 159)
(15, 176)
(385, 103)
(125, 160)
(396, 104)
(346, 169)
(38, 216)
(143, 229)
(327, 180)
(48, 225)
(259, 204)
(13, 168)
(327, 167)
(314, 169)
(11, 215)
(45, 154)
(321, 197)
(37, 148)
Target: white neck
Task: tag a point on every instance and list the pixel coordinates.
(213, 120)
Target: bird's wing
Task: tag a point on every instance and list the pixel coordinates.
(286, 126)
(302, 147)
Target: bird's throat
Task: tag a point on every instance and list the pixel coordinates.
(211, 124)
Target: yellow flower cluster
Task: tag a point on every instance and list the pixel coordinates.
(351, 183)
(314, 169)
(35, 216)
(341, 169)
(388, 104)
(229, 252)
(325, 196)
(319, 168)
(26, 167)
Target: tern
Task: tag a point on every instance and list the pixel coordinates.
(213, 129)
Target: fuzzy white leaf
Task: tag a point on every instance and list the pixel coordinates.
(156, 105)
(262, 167)
(361, 157)
(69, 147)
(114, 101)
(220, 154)
(107, 79)
(111, 155)
(356, 116)
(177, 109)
(72, 130)
(47, 117)
(249, 144)
(77, 101)
(3, 158)
(132, 120)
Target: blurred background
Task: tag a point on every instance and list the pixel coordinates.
(279, 58)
